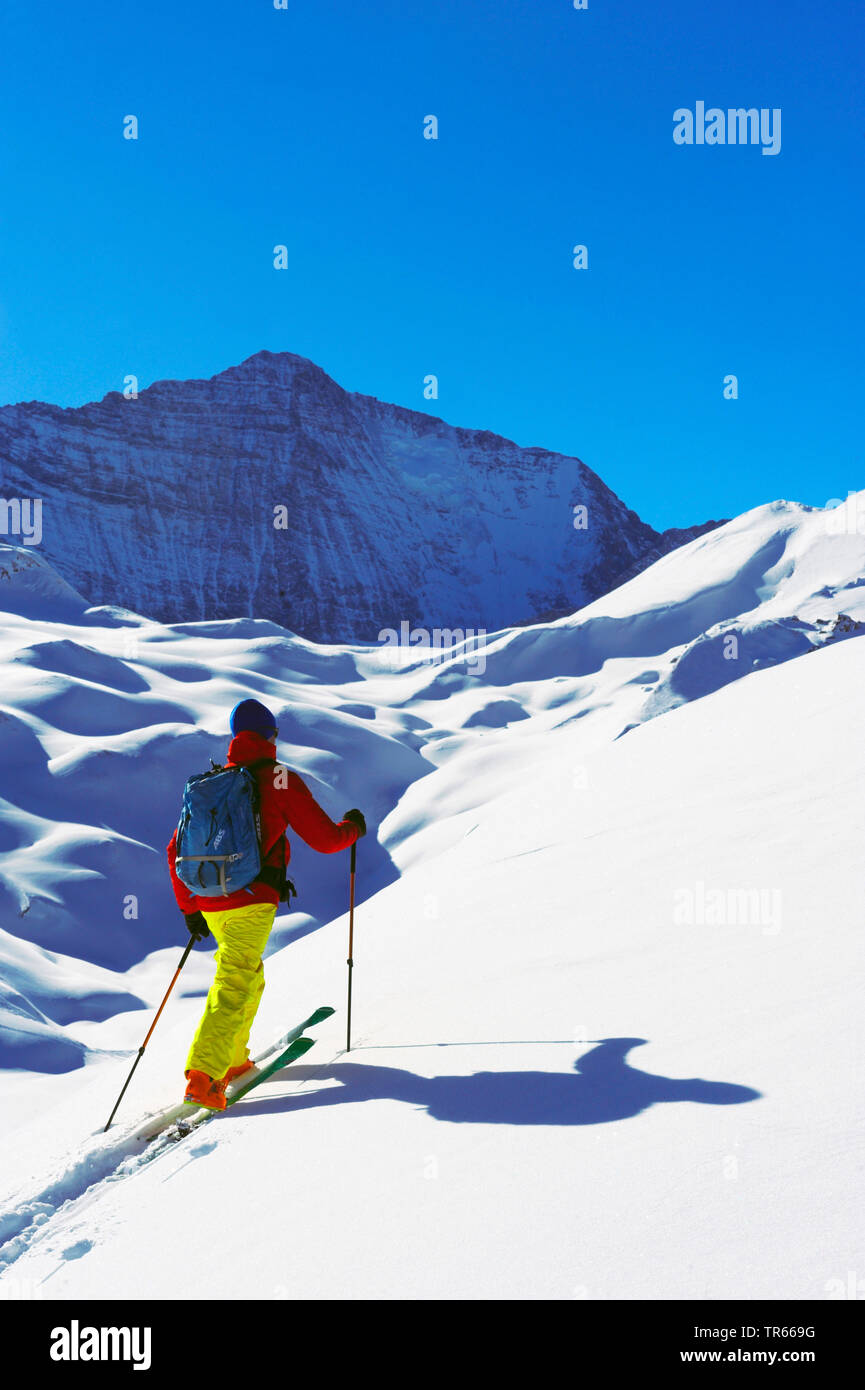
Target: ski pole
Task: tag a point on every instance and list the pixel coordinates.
(150, 1030)
(350, 962)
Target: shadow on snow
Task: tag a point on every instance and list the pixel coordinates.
(602, 1087)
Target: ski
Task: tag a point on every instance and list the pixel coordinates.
(258, 1074)
(195, 1118)
(264, 1066)
(319, 1016)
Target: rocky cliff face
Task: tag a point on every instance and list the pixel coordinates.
(166, 505)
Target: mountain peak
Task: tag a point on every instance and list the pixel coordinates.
(388, 514)
(274, 367)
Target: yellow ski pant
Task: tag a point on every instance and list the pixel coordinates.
(222, 1036)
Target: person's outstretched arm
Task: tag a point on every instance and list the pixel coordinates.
(307, 818)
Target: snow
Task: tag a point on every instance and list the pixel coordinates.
(606, 1031)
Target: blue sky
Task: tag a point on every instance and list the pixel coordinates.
(408, 256)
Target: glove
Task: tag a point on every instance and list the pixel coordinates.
(196, 925)
(356, 818)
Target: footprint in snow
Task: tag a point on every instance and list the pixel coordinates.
(74, 1252)
(201, 1149)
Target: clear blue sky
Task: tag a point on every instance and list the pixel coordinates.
(304, 127)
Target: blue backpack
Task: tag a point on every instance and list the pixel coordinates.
(219, 831)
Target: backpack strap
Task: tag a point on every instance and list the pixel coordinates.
(272, 875)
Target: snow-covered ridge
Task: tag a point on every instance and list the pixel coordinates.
(166, 504)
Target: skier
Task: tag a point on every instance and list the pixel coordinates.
(242, 922)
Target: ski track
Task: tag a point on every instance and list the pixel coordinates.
(34, 1217)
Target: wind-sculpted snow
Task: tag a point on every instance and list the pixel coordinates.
(102, 721)
(536, 895)
(86, 664)
(703, 667)
(59, 988)
(28, 1040)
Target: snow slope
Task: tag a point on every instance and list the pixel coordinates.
(607, 1035)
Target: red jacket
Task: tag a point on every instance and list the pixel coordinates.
(285, 801)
